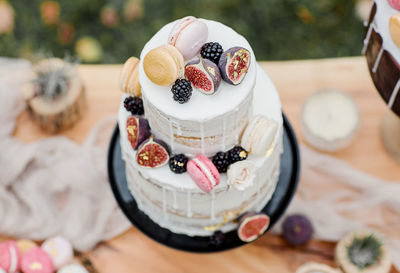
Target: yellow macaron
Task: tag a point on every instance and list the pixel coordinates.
(163, 65)
(394, 28)
(129, 79)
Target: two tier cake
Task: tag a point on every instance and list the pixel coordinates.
(202, 145)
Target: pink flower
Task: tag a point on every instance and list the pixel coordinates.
(50, 11)
(109, 17)
(6, 17)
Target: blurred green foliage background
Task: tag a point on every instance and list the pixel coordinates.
(110, 31)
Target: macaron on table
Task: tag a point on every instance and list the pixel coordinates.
(382, 50)
(201, 146)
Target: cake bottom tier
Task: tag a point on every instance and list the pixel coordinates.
(196, 213)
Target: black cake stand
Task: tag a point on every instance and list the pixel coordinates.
(287, 184)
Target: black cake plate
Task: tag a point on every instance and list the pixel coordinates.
(287, 184)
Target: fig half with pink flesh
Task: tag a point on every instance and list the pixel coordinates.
(152, 153)
(204, 75)
(234, 64)
(252, 225)
(138, 130)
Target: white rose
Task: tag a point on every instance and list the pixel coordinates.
(241, 174)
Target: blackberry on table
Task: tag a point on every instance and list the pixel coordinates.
(221, 161)
(236, 154)
(217, 238)
(212, 51)
(182, 90)
(134, 105)
(177, 163)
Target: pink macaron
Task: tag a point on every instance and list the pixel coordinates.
(188, 35)
(395, 4)
(10, 257)
(37, 260)
(203, 172)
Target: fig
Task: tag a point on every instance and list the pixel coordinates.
(297, 229)
(152, 153)
(204, 75)
(234, 64)
(252, 225)
(138, 130)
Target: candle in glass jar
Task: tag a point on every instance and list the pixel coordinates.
(330, 120)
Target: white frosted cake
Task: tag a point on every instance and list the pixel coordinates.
(246, 115)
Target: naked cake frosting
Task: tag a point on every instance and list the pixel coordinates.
(201, 130)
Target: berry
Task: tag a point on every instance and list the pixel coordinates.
(217, 238)
(212, 51)
(134, 105)
(236, 154)
(221, 161)
(177, 163)
(297, 229)
(182, 90)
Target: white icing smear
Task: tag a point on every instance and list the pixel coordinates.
(200, 107)
(383, 13)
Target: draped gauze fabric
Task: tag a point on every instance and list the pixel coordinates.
(53, 186)
(338, 199)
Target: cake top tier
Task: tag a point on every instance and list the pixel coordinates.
(200, 107)
(383, 14)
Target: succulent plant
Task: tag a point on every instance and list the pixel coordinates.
(252, 225)
(364, 251)
(53, 77)
(138, 130)
(234, 64)
(204, 75)
(152, 153)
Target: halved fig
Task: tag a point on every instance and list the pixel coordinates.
(204, 75)
(252, 225)
(234, 64)
(152, 153)
(138, 130)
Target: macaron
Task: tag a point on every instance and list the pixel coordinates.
(60, 251)
(203, 172)
(163, 65)
(10, 257)
(188, 35)
(129, 79)
(24, 245)
(36, 260)
(394, 28)
(73, 268)
(259, 135)
(395, 4)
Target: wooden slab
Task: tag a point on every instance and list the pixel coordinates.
(295, 80)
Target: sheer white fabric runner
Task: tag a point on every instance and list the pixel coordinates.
(339, 199)
(55, 186)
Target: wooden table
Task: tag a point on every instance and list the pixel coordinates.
(295, 80)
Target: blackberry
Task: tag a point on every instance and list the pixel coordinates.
(236, 154)
(134, 105)
(182, 90)
(212, 51)
(221, 161)
(217, 238)
(177, 163)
